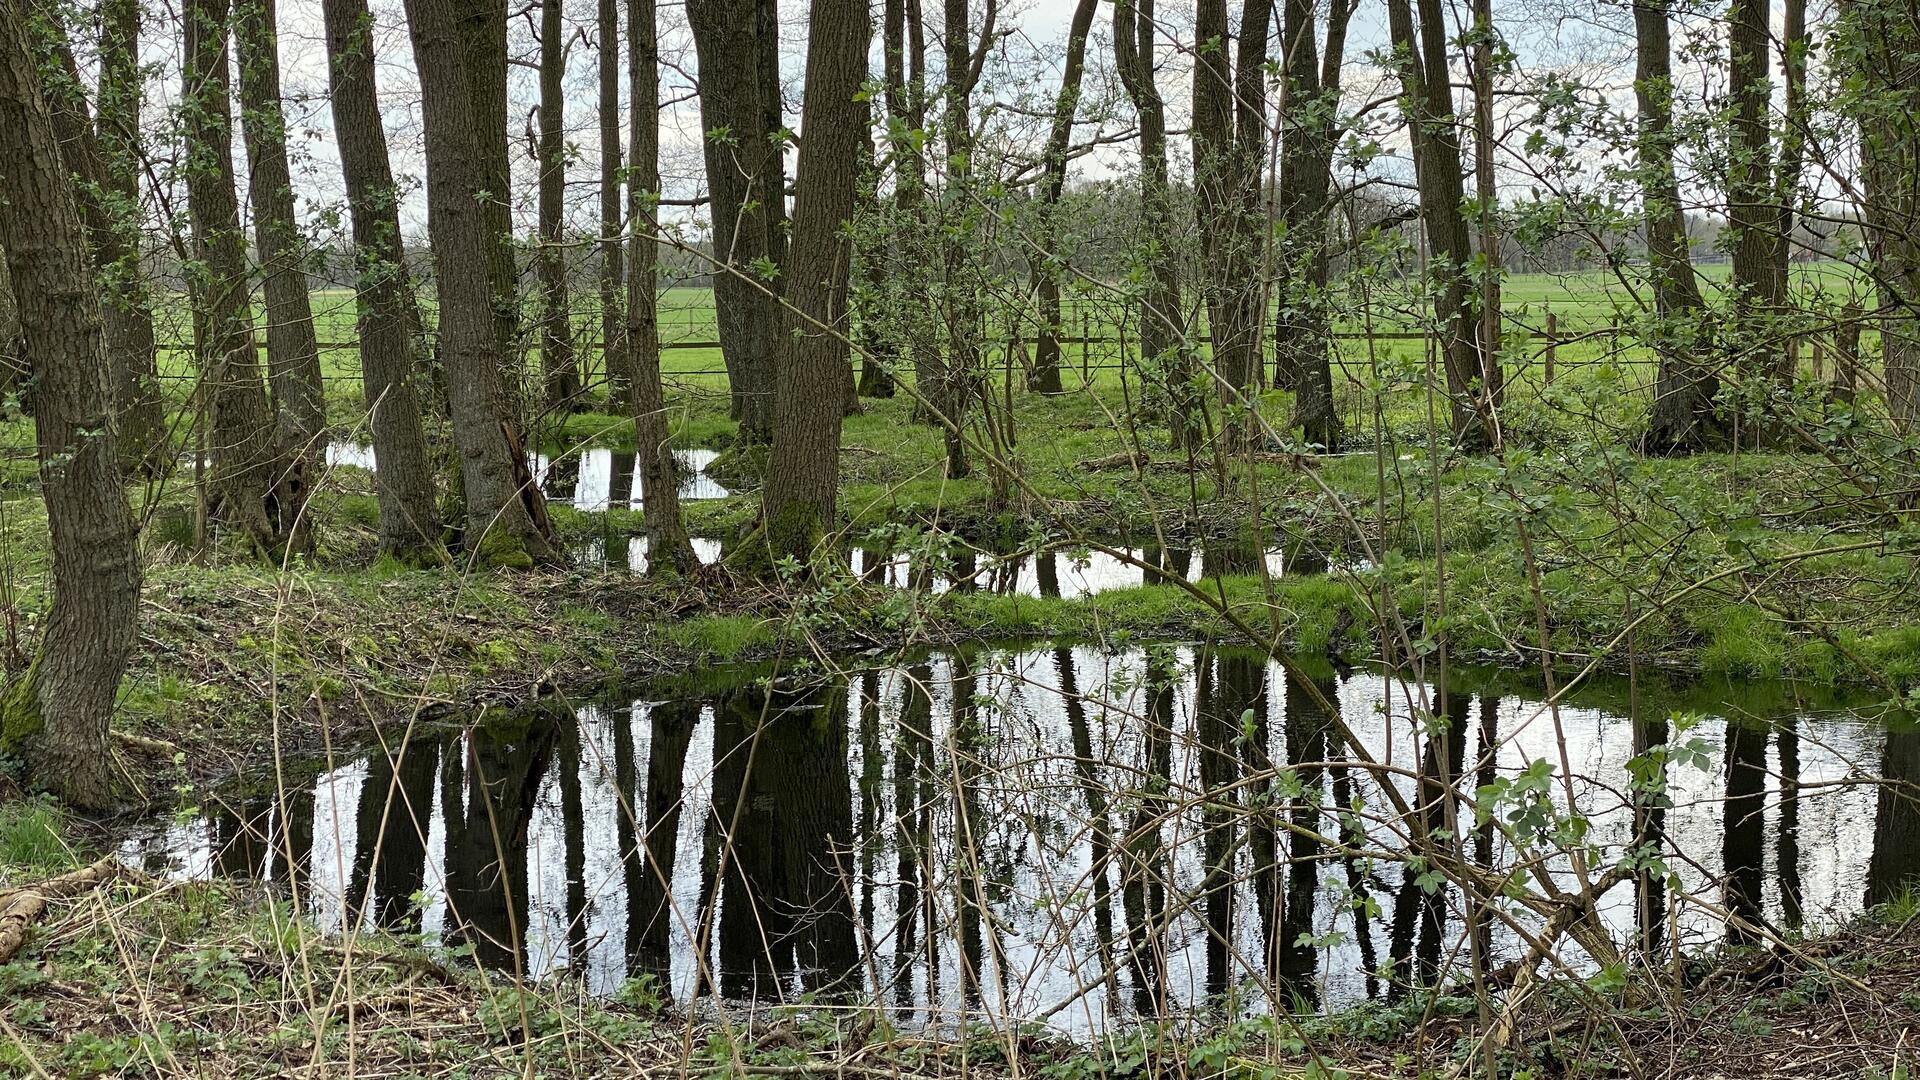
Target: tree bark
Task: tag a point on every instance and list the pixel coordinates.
(911, 254)
(1683, 414)
(1436, 159)
(960, 376)
(1045, 377)
(127, 309)
(293, 350)
(482, 45)
(560, 376)
(1303, 342)
(747, 198)
(1752, 216)
(879, 349)
(55, 717)
(1881, 42)
(1162, 322)
(668, 548)
(392, 352)
(1229, 116)
(1794, 44)
(506, 514)
(257, 489)
(111, 219)
(612, 276)
(803, 470)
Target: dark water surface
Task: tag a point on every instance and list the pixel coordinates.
(1060, 834)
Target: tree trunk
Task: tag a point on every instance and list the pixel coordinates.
(1310, 123)
(1045, 376)
(1794, 44)
(126, 309)
(293, 350)
(744, 184)
(1436, 161)
(112, 225)
(482, 44)
(803, 470)
(1881, 43)
(392, 352)
(911, 252)
(1163, 347)
(961, 376)
(1752, 217)
(55, 718)
(1682, 415)
(506, 514)
(612, 276)
(1487, 217)
(1229, 116)
(668, 548)
(879, 350)
(560, 377)
(257, 490)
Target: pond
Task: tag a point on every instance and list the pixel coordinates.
(591, 479)
(1069, 836)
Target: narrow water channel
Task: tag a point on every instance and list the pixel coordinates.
(593, 479)
(1066, 835)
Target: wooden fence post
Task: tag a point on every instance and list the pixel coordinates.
(1553, 345)
(1086, 346)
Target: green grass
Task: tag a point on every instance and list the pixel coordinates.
(31, 841)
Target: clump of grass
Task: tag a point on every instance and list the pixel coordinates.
(31, 841)
(722, 636)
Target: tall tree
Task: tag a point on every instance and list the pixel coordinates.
(911, 252)
(560, 377)
(668, 547)
(612, 278)
(1162, 321)
(1229, 137)
(1045, 286)
(960, 376)
(483, 48)
(127, 308)
(392, 352)
(112, 224)
(55, 717)
(1753, 219)
(293, 350)
(1310, 126)
(1879, 45)
(803, 469)
(1421, 53)
(747, 196)
(1683, 413)
(506, 514)
(1794, 45)
(257, 489)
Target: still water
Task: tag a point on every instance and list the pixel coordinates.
(1065, 574)
(591, 479)
(1062, 835)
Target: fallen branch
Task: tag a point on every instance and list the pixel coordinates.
(1136, 460)
(156, 747)
(22, 907)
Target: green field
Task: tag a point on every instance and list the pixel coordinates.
(1380, 336)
